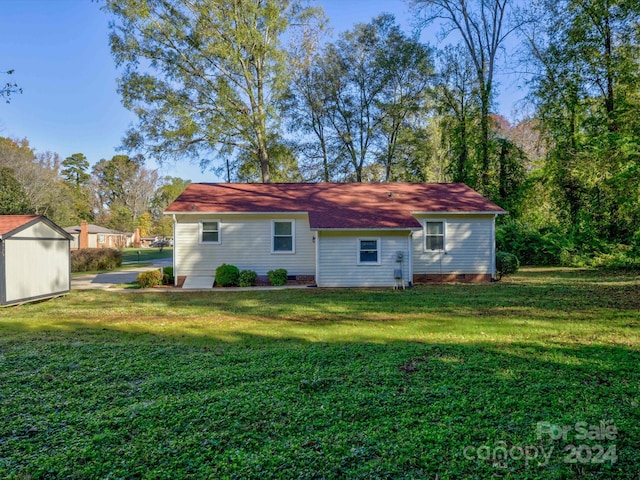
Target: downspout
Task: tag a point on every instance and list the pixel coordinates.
(173, 260)
(410, 258)
(493, 248)
(317, 275)
(3, 273)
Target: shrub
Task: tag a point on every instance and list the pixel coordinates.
(277, 277)
(547, 246)
(92, 259)
(506, 264)
(167, 276)
(227, 275)
(248, 278)
(150, 278)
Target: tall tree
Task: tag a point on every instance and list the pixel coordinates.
(13, 200)
(458, 109)
(124, 188)
(352, 81)
(355, 99)
(409, 73)
(586, 88)
(38, 175)
(75, 173)
(483, 28)
(75, 170)
(204, 75)
(307, 116)
(167, 192)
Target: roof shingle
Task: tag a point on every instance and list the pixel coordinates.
(8, 223)
(336, 205)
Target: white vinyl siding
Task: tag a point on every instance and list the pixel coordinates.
(245, 242)
(338, 254)
(468, 246)
(36, 263)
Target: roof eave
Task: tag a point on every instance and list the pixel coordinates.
(201, 212)
(359, 229)
(487, 212)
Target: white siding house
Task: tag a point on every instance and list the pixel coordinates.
(467, 246)
(35, 259)
(203, 242)
(362, 258)
(337, 235)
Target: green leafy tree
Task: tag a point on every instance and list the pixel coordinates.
(588, 76)
(123, 189)
(38, 175)
(204, 75)
(284, 165)
(166, 193)
(357, 97)
(459, 109)
(408, 69)
(353, 82)
(75, 172)
(13, 200)
(308, 118)
(484, 30)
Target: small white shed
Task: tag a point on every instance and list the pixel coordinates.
(35, 260)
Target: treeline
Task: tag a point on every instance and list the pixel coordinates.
(377, 104)
(120, 193)
(261, 93)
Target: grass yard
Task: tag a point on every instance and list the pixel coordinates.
(444, 381)
(147, 255)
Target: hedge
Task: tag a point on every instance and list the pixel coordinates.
(94, 259)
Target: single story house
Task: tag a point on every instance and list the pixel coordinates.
(336, 234)
(35, 260)
(87, 235)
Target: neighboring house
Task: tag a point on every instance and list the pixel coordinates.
(336, 235)
(87, 235)
(35, 262)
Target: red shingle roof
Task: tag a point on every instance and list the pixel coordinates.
(8, 223)
(336, 205)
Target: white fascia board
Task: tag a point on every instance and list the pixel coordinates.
(234, 213)
(458, 213)
(369, 229)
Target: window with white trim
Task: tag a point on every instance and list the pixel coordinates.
(283, 236)
(434, 236)
(368, 251)
(210, 231)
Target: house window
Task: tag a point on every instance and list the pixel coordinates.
(101, 238)
(283, 236)
(210, 232)
(368, 251)
(434, 236)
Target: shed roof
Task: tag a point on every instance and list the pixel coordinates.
(11, 224)
(337, 205)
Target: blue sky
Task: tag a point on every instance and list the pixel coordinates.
(60, 53)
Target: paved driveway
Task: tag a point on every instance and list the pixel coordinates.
(110, 279)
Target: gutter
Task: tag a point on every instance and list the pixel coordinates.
(173, 259)
(493, 248)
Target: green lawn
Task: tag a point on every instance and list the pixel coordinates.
(314, 383)
(146, 254)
